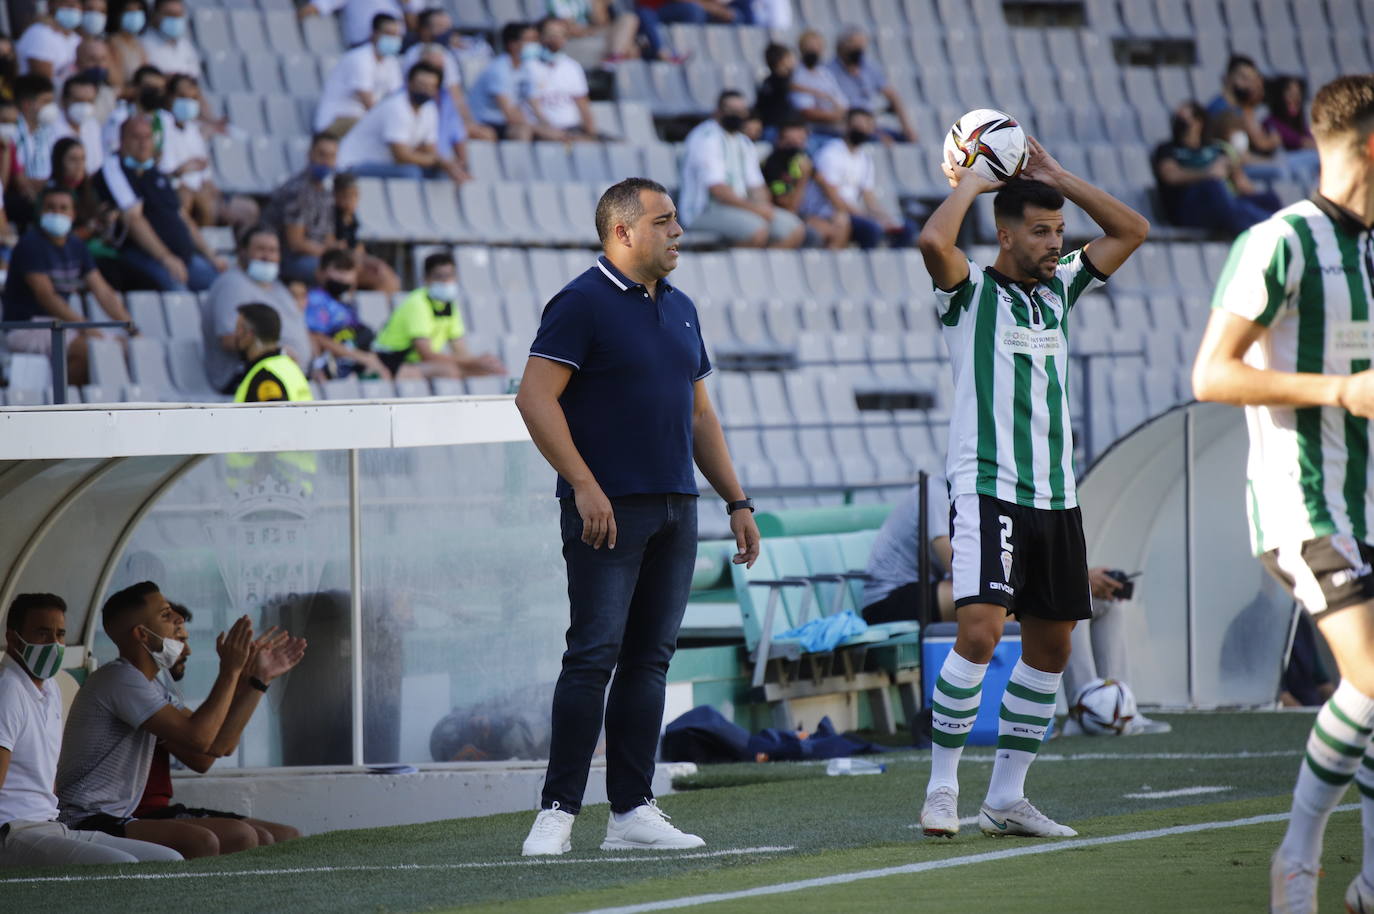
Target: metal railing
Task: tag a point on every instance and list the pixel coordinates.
(58, 356)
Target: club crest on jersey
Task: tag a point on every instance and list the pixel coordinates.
(1349, 550)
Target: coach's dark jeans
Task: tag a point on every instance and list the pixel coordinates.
(626, 606)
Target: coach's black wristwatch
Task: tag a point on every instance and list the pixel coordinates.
(732, 506)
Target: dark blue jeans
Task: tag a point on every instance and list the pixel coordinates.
(626, 606)
(1214, 205)
(200, 273)
(868, 233)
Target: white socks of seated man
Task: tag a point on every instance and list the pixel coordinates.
(1027, 709)
(1335, 747)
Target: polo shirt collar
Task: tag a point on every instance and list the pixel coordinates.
(623, 282)
(1007, 282)
(1344, 218)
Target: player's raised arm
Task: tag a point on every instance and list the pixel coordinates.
(1123, 229)
(948, 265)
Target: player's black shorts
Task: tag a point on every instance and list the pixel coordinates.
(1030, 560)
(1325, 574)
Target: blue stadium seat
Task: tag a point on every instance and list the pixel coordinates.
(660, 164)
(669, 88)
(510, 214)
(373, 309)
(475, 275)
(148, 366)
(446, 217)
(283, 118)
(269, 161)
(283, 32)
(637, 122)
(266, 78)
(517, 161)
(343, 389)
(299, 76)
(624, 161)
(607, 118)
(245, 112)
(412, 389)
(233, 170)
(553, 162)
(406, 197)
(376, 389)
(107, 365)
(511, 267)
(589, 162)
(146, 310)
(321, 34)
(211, 30)
(224, 70)
(249, 31)
(374, 214)
(473, 14)
(579, 207)
(483, 162)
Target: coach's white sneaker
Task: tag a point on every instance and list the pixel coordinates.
(940, 815)
(550, 834)
(1359, 898)
(646, 828)
(1292, 887)
(1021, 819)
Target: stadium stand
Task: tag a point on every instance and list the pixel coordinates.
(831, 370)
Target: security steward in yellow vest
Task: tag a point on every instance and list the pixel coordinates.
(271, 375)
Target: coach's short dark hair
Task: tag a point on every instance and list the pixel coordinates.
(129, 600)
(437, 260)
(621, 204)
(263, 320)
(1011, 201)
(25, 603)
(1344, 106)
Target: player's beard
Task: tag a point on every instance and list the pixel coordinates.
(1043, 270)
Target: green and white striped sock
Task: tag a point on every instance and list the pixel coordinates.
(1364, 780)
(1335, 746)
(953, 706)
(1027, 709)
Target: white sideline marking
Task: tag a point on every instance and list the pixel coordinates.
(644, 857)
(1148, 756)
(1181, 792)
(910, 868)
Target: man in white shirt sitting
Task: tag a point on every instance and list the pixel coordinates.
(816, 94)
(361, 78)
(79, 121)
(399, 138)
(556, 96)
(847, 164)
(359, 14)
(48, 48)
(165, 40)
(723, 192)
(185, 155)
(30, 741)
(433, 30)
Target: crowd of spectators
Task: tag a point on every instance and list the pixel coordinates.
(1218, 168)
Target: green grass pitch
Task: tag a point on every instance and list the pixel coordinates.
(767, 825)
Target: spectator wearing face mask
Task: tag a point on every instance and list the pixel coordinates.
(358, 15)
(185, 155)
(166, 42)
(93, 62)
(495, 98)
(1242, 94)
(93, 18)
(92, 220)
(847, 165)
(147, 95)
(253, 279)
(344, 341)
(48, 48)
(556, 100)
(361, 78)
(399, 138)
(815, 93)
(373, 272)
(424, 335)
(302, 211)
(723, 191)
(49, 264)
(79, 119)
(129, 20)
(864, 84)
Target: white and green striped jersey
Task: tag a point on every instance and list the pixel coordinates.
(1009, 432)
(1305, 274)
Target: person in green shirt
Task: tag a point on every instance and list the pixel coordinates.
(424, 336)
(271, 375)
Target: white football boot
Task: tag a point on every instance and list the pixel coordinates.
(1021, 819)
(940, 815)
(1292, 887)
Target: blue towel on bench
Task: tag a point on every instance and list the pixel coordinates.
(823, 634)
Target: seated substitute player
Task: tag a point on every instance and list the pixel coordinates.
(1016, 532)
(279, 648)
(1289, 339)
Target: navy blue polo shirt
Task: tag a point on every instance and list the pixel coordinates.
(635, 361)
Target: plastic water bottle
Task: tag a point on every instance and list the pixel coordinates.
(839, 766)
